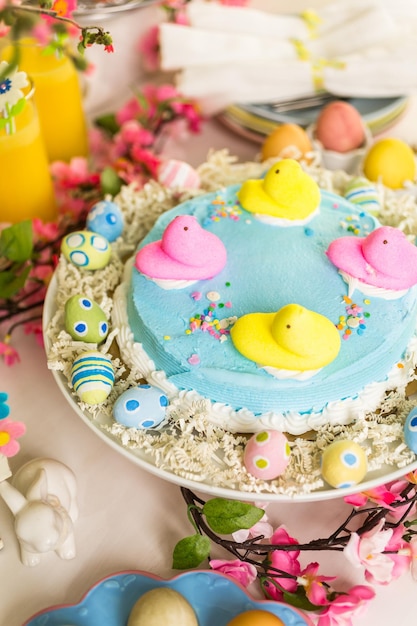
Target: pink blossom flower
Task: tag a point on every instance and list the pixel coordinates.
(380, 495)
(9, 354)
(367, 551)
(395, 488)
(412, 547)
(313, 583)
(48, 231)
(35, 328)
(244, 573)
(399, 552)
(42, 32)
(148, 46)
(284, 561)
(346, 606)
(9, 432)
(128, 111)
(4, 28)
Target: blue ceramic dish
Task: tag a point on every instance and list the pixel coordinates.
(216, 599)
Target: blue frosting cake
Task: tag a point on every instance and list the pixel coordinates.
(185, 332)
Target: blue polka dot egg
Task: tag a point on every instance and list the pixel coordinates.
(141, 407)
(106, 218)
(85, 320)
(343, 464)
(410, 430)
(92, 377)
(86, 250)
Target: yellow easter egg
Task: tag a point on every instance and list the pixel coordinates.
(343, 464)
(287, 141)
(256, 617)
(162, 606)
(390, 161)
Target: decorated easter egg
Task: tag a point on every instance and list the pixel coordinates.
(267, 454)
(85, 320)
(86, 249)
(363, 193)
(410, 430)
(162, 606)
(339, 127)
(256, 617)
(343, 464)
(287, 141)
(143, 406)
(92, 377)
(105, 218)
(390, 161)
(179, 174)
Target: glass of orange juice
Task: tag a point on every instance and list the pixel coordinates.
(26, 183)
(58, 97)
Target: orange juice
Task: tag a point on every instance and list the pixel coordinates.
(26, 183)
(58, 100)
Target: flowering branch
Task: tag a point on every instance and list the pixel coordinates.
(57, 22)
(380, 538)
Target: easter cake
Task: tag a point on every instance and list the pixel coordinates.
(262, 299)
(249, 266)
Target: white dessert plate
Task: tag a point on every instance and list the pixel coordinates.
(215, 598)
(145, 461)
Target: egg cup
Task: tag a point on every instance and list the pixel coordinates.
(349, 162)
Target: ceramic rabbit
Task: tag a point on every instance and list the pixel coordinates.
(42, 497)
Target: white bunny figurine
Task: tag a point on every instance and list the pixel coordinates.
(42, 497)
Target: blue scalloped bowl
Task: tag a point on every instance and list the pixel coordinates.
(216, 599)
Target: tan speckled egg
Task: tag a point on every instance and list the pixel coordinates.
(162, 606)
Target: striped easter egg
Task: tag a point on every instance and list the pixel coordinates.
(179, 174)
(92, 377)
(363, 193)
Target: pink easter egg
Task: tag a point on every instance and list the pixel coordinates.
(180, 174)
(267, 454)
(340, 127)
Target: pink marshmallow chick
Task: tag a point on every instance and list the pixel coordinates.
(384, 258)
(186, 252)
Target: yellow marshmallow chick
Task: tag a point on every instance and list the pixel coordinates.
(293, 339)
(286, 193)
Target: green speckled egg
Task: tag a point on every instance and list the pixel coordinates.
(86, 249)
(343, 464)
(85, 320)
(92, 377)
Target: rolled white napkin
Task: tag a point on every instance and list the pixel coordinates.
(182, 47)
(362, 48)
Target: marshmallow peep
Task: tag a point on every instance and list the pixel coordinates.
(185, 254)
(382, 264)
(294, 342)
(287, 196)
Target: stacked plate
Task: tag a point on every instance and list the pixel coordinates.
(256, 121)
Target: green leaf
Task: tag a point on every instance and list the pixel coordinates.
(108, 123)
(228, 516)
(18, 107)
(110, 181)
(16, 242)
(11, 283)
(300, 600)
(190, 552)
